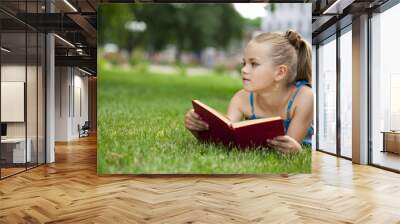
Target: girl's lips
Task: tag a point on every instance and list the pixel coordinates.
(247, 80)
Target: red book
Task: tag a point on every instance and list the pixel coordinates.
(242, 134)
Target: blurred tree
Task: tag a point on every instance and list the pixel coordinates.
(160, 22)
(270, 7)
(111, 23)
(190, 27)
(253, 24)
(230, 26)
(209, 25)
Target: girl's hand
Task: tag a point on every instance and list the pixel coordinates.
(193, 122)
(285, 144)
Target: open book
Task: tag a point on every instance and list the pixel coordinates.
(242, 134)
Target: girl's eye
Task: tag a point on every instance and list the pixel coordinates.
(253, 64)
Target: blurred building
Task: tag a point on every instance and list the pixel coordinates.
(289, 16)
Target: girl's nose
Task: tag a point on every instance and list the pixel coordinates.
(244, 70)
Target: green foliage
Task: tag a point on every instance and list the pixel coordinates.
(114, 61)
(190, 27)
(101, 61)
(253, 24)
(140, 128)
(142, 67)
(271, 7)
(160, 23)
(111, 22)
(219, 69)
(238, 68)
(136, 57)
(113, 58)
(182, 69)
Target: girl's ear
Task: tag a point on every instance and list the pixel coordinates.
(281, 72)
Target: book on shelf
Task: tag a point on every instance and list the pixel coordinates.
(242, 134)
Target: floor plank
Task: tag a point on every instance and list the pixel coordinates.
(386, 159)
(69, 191)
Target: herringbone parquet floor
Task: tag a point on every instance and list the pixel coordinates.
(69, 191)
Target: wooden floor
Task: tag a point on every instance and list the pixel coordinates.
(10, 171)
(69, 191)
(387, 159)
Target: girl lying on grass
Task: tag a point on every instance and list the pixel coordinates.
(276, 76)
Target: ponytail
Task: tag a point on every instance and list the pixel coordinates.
(304, 54)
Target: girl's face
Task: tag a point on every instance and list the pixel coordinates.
(258, 72)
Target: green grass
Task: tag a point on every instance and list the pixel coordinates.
(141, 130)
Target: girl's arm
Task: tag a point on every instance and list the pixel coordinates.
(301, 121)
(234, 112)
(302, 116)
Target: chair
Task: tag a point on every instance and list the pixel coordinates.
(84, 130)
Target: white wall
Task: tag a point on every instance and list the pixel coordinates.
(62, 81)
(16, 73)
(80, 85)
(70, 83)
(33, 126)
(13, 73)
(314, 88)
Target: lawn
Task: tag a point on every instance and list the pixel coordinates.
(141, 130)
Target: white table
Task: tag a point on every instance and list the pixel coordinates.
(19, 149)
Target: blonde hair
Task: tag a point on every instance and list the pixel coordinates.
(291, 50)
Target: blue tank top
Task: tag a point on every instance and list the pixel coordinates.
(308, 138)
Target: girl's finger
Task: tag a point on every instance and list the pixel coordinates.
(196, 126)
(190, 125)
(273, 143)
(195, 115)
(202, 124)
(199, 122)
(280, 146)
(283, 138)
(282, 149)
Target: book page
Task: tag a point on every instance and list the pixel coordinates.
(214, 112)
(255, 121)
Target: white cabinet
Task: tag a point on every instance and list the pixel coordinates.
(18, 149)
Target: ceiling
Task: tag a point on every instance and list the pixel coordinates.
(331, 15)
(72, 20)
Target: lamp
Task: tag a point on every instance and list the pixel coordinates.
(337, 7)
(86, 72)
(64, 40)
(71, 6)
(5, 49)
